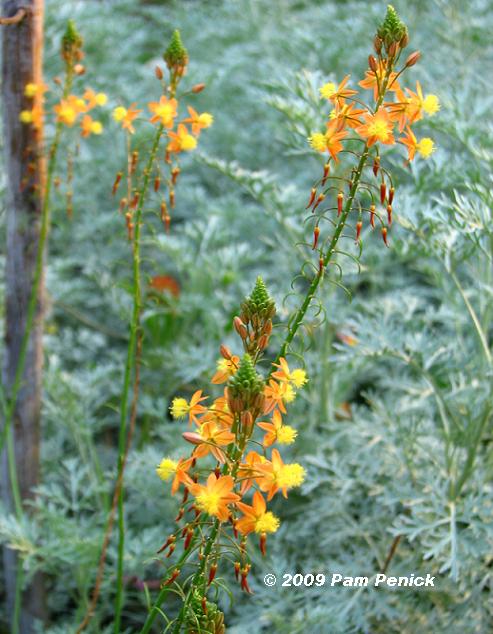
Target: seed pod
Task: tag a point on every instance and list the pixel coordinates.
(326, 173)
(359, 225)
(169, 541)
(237, 570)
(391, 195)
(204, 605)
(383, 192)
(372, 215)
(376, 165)
(319, 200)
(133, 161)
(321, 266)
(384, 236)
(212, 574)
(313, 193)
(135, 201)
(188, 538)
(158, 72)
(263, 544)
(157, 183)
(171, 549)
(175, 172)
(389, 214)
(340, 198)
(172, 198)
(173, 576)
(316, 234)
(118, 178)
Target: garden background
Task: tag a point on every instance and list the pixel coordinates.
(395, 422)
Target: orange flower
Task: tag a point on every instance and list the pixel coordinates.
(199, 121)
(377, 127)
(225, 369)
(211, 437)
(425, 147)
(277, 394)
(89, 126)
(347, 115)
(94, 99)
(181, 140)
(277, 432)
(277, 476)
(125, 116)
(247, 471)
(179, 470)
(164, 111)
(297, 377)
(330, 141)
(256, 518)
(180, 407)
(214, 497)
(337, 94)
(373, 80)
(67, 111)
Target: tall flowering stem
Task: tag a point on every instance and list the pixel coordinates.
(235, 467)
(180, 139)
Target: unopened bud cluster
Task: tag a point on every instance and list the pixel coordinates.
(254, 325)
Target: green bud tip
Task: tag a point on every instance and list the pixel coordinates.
(246, 379)
(392, 28)
(176, 54)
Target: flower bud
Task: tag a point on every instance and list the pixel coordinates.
(377, 44)
(316, 234)
(384, 236)
(118, 178)
(263, 342)
(212, 574)
(372, 63)
(158, 72)
(326, 173)
(389, 214)
(313, 193)
(340, 197)
(225, 352)
(376, 165)
(192, 437)
(79, 69)
(198, 88)
(372, 215)
(173, 576)
(157, 183)
(391, 195)
(359, 225)
(412, 59)
(240, 327)
(383, 192)
(319, 200)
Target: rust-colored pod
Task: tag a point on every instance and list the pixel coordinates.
(319, 200)
(389, 214)
(377, 44)
(263, 342)
(118, 179)
(225, 352)
(263, 543)
(359, 226)
(412, 59)
(246, 419)
(173, 576)
(157, 183)
(316, 234)
(240, 328)
(372, 215)
(313, 193)
(376, 165)
(372, 63)
(383, 192)
(384, 236)
(340, 198)
(212, 574)
(391, 195)
(158, 72)
(198, 88)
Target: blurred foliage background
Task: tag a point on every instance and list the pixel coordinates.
(395, 424)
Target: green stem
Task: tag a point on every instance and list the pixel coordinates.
(129, 368)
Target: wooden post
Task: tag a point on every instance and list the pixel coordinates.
(21, 64)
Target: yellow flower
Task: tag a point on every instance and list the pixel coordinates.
(296, 377)
(179, 408)
(267, 523)
(26, 116)
(119, 113)
(89, 126)
(425, 147)
(167, 468)
(291, 475)
(66, 112)
(328, 90)
(286, 435)
(181, 140)
(101, 99)
(318, 141)
(431, 104)
(199, 121)
(30, 90)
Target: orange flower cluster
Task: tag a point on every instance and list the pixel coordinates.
(237, 430)
(387, 122)
(165, 114)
